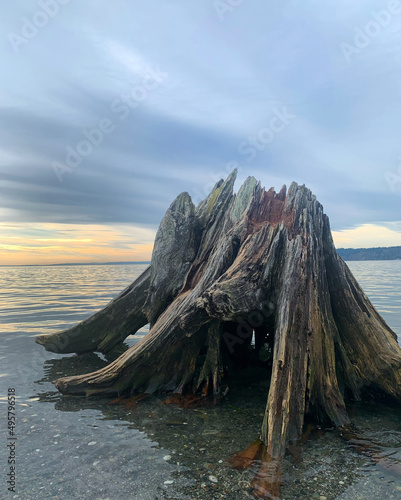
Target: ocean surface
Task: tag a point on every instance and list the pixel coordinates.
(76, 447)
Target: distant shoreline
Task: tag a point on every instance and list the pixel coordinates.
(378, 253)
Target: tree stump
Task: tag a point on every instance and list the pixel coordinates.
(256, 264)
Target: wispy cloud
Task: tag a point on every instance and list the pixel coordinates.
(54, 243)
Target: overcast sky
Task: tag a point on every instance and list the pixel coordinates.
(180, 93)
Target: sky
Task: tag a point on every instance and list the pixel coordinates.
(110, 109)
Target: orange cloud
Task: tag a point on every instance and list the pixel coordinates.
(55, 244)
(44, 244)
(367, 236)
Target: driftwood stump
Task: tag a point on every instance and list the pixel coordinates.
(256, 264)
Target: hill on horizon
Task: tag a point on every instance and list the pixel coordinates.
(378, 253)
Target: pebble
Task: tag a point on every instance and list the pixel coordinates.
(213, 479)
(92, 443)
(174, 422)
(169, 481)
(167, 457)
(323, 498)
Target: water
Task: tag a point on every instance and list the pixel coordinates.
(381, 281)
(75, 447)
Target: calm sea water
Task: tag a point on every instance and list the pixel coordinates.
(75, 447)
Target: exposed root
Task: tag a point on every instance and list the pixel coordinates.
(212, 372)
(101, 332)
(267, 482)
(247, 457)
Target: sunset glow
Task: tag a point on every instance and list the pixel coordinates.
(367, 236)
(44, 244)
(23, 244)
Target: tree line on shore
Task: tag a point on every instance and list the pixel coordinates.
(379, 253)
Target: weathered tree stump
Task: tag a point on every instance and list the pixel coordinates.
(253, 263)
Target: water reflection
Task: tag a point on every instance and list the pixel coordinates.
(206, 439)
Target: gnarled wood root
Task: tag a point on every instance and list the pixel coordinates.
(257, 262)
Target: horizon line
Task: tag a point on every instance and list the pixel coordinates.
(80, 264)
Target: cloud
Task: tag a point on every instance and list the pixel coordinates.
(366, 236)
(54, 243)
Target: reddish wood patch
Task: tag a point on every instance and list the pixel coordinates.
(247, 457)
(267, 482)
(129, 402)
(191, 401)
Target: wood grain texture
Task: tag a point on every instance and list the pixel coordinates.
(253, 262)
